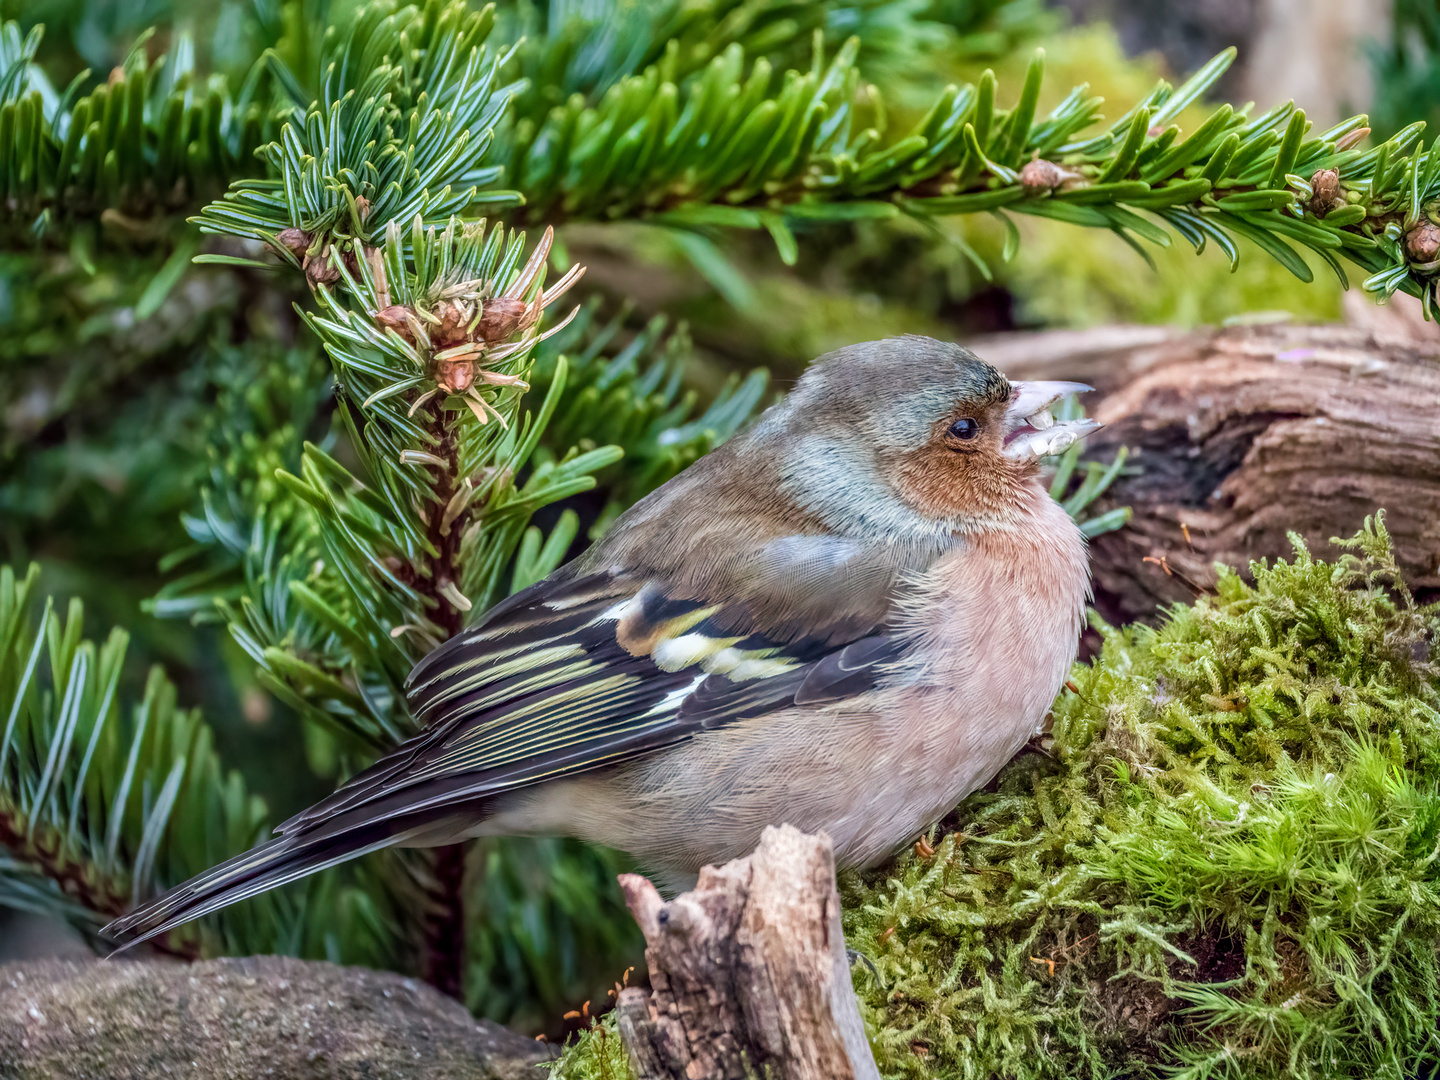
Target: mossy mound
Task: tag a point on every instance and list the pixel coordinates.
(1226, 861)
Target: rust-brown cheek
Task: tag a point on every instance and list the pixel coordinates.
(941, 479)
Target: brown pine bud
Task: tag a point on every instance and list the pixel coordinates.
(318, 270)
(1422, 243)
(295, 241)
(501, 317)
(396, 317)
(1325, 192)
(455, 376)
(1040, 175)
(451, 328)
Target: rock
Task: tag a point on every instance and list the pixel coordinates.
(263, 1016)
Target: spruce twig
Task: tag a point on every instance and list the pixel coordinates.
(98, 807)
(407, 130)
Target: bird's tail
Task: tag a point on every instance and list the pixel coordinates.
(282, 860)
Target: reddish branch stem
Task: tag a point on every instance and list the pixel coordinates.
(444, 928)
(445, 923)
(444, 568)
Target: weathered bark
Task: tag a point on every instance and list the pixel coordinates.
(1243, 435)
(748, 972)
(253, 1017)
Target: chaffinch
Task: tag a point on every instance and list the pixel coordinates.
(846, 618)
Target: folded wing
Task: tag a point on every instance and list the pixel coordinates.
(576, 675)
(583, 670)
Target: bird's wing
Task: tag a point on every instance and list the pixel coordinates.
(579, 672)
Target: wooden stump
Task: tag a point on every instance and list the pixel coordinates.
(1243, 435)
(748, 972)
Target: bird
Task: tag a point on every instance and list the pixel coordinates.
(847, 617)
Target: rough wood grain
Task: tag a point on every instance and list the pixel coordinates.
(1244, 434)
(748, 972)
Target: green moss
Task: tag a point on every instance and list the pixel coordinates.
(1228, 855)
(1064, 278)
(595, 1053)
(1226, 862)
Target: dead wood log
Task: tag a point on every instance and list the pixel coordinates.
(748, 972)
(1244, 434)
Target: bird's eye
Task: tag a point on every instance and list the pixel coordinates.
(964, 428)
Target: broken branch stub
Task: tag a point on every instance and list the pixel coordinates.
(748, 972)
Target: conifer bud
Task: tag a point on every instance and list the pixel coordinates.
(451, 328)
(501, 318)
(1040, 175)
(1422, 243)
(295, 241)
(455, 376)
(1326, 194)
(396, 317)
(318, 270)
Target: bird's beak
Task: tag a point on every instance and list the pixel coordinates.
(1031, 432)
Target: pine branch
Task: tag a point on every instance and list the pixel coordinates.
(720, 149)
(406, 103)
(98, 809)
(153, 138)
(178, 137)
(351, 576)
(720, 146)
(104, 802)
(445, 924)
(405, 109)
(156, 138)
(432, 386)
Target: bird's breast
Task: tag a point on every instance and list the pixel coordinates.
(995, 628)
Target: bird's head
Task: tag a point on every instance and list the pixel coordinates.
(912, 437)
